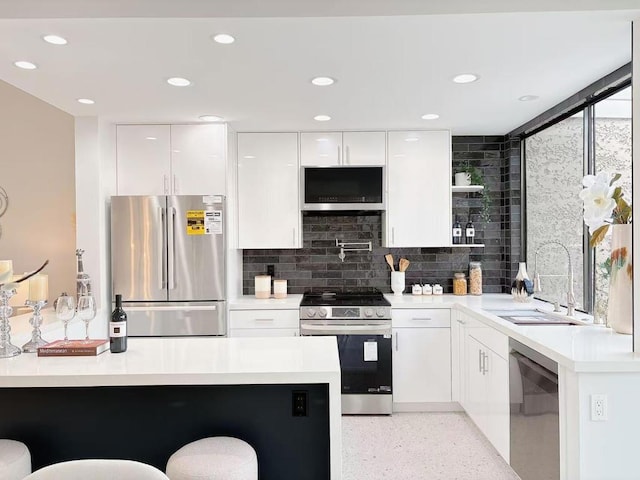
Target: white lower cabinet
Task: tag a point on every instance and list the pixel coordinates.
(421, 356)
(485, 377)
(264, 323)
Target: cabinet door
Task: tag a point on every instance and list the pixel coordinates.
(421, 365)
(198, 159)
(364, 148)
(419, 200)
(320, 149)
(268, 191)
(475, 382)
(497, 407)
(143, 160)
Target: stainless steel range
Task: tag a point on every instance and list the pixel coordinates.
(361, 321)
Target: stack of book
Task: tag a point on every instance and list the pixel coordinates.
(73, 348)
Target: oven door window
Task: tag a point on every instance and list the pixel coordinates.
(365, 363)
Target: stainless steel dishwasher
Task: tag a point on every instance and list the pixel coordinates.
(535, 429)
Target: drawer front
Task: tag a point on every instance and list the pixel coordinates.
(264, 319)
(421, 317)
(492, 339)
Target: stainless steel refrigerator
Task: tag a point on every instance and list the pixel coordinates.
(168, 263)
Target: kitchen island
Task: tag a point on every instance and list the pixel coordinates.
(165, 392)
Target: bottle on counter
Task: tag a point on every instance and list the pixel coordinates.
(118, 328)
(457, 232)
(475, 278)
(459, 284)
(470, 232)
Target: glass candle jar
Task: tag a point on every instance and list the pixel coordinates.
(475, 278)
(459, 284)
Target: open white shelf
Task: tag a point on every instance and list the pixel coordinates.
(467, 189)
(468, 245)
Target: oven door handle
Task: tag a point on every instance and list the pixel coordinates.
(345, 330)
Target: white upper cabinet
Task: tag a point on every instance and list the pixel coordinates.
(268, 191)
(143, 159)
(342, 148)
(171, 159)
(198, 159)
(419, 197)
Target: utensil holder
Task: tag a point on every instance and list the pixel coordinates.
(397, 283)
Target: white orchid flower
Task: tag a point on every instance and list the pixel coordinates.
(598, 198)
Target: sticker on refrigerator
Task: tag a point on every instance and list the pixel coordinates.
(195, 222)
(211, 199)
(370, 351)
(213, 222)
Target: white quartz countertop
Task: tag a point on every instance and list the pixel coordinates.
(249, 302)
(184, 361)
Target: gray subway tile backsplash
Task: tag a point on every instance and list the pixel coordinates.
(317, 266)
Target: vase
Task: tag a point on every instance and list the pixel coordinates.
(619, 310)
(522, 286)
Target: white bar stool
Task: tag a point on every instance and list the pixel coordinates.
(214, 458)
(15, 460)
(98, 469)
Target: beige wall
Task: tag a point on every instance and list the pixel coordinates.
(37, 169)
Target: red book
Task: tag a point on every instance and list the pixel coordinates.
(73, 348)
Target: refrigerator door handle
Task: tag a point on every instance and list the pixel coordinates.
(171, 247)
(162, 240)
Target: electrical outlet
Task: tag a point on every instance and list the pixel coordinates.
(598, 407)
(300, 403)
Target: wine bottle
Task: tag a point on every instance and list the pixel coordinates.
(457, 232)
(118, 328)
(470, 231)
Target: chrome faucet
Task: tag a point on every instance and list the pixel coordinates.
(571, 299)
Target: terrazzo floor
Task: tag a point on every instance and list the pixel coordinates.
(416, 446)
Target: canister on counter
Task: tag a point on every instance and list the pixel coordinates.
(475, 278)
(459, 284)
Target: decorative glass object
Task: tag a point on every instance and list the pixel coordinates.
(35, 321)
(7, 349)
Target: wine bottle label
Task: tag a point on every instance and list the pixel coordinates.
(471, 232)
(117, 329)
(457, 232)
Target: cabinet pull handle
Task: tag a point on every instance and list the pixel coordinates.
(264, 319)
(421, 319)
(485, 367)
(347, 156)
(294, 237)
(393, 235)
(339, 156)
(479, 360)
(396, 341)
(165, 183)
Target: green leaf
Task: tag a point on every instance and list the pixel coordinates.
(598, 235)
(617, 194)
(615, 178)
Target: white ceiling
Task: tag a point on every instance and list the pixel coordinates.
(390, 69)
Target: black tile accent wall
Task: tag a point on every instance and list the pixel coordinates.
(317, 266)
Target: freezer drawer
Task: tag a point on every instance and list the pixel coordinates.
(173, 319)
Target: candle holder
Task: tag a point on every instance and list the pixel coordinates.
(7, 350)
(35, 321)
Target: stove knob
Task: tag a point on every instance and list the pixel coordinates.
(368, 312)
(380, 312)
(322, 312)
(311, 312)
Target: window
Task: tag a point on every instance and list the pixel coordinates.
(596, 138)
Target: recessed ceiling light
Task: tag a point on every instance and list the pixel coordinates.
(151, 138)
(399, 155)
(223, 38)
(176, 151)
(26, 65)
(323, 155)
(86, 101)
(322, 139)
(249, 156)
(465, 78)
(211, 118)
(323, 81)
(430, 116)
(528, 98)
(411, 139)
(55, 39)
(179, 82)
(322, 118)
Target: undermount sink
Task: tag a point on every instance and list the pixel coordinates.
(536, 317)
